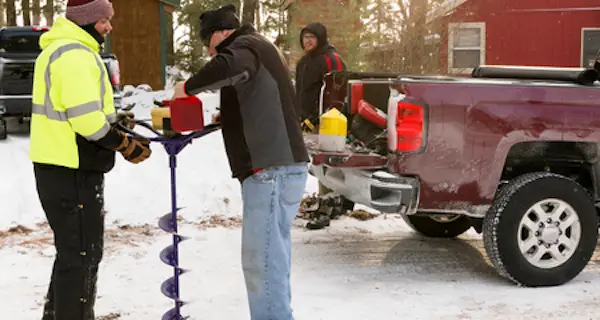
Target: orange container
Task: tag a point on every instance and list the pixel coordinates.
(186, 114)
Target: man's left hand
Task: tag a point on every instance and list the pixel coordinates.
(179, 91)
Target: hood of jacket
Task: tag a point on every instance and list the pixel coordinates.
(320, 31)
(64, 29)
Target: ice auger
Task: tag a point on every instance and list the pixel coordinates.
(174, 118)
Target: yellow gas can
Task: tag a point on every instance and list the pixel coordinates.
(333, 128)
(161, 120)
(158, 115)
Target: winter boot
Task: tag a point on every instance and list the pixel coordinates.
(322, 221)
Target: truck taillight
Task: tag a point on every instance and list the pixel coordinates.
(407, 126)
(115, 73)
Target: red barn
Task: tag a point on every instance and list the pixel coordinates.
(510, 32)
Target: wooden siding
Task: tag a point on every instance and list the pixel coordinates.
(135, 40)
(532, 32)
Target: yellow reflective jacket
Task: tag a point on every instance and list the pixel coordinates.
(72, 101)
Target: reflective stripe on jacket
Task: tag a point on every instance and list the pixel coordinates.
(72, 101)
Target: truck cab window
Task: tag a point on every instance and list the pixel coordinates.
(21, 41)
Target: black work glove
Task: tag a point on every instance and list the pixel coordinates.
(133, 149)
(126, 119)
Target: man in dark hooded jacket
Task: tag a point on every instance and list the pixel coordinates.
(319, 58)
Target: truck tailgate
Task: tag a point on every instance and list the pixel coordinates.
(346, 159)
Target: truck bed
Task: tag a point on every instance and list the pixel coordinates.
(348, 158)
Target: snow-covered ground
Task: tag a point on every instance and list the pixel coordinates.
(376, 269)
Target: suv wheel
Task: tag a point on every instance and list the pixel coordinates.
(438, 226)
(541, 230)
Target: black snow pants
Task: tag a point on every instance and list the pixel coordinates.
(73, 201)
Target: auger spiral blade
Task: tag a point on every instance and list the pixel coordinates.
(174, 314)
(169, 289)
(180, 238)
(167, 255)
(167, 223)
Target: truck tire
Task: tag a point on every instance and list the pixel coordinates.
(541, 230)
(434, 228)
(3, 129)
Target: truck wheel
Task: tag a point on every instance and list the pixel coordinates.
(541, 230)
(438, 228)
(3, 129)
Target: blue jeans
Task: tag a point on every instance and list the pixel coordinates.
(271, 201)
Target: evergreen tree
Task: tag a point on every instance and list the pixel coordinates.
(190, 55)
(344, 26)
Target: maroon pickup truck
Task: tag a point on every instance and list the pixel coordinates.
(511, 151)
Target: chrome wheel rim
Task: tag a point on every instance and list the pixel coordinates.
(549, 233)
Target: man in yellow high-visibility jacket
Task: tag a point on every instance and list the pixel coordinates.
(73, 144)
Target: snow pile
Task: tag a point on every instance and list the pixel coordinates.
(141, 101)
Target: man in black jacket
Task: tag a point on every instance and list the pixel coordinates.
(319, 58)
(266, 151)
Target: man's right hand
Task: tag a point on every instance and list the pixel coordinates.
(216, 117)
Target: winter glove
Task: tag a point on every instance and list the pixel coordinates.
(308, 127)
(134, 150)
(126, 119)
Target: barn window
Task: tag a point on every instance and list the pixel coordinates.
(590, 45)
(466, 46)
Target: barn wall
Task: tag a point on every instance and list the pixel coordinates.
(533, 32)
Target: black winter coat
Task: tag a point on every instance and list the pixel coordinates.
(310, 71)
(258, 119)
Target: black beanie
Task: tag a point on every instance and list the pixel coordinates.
(224, 18)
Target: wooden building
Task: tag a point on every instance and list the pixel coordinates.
(507, 32)
(142, 40)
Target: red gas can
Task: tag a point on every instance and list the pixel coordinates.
(186, 114)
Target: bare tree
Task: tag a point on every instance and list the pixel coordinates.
(26, 12)
(2, 13)
(11, 13)
(417, 25)
(36, 12)
(49, 12)
(249, 11)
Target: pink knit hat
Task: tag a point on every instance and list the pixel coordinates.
(84, 12)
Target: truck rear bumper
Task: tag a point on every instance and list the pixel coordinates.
(377, 189)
